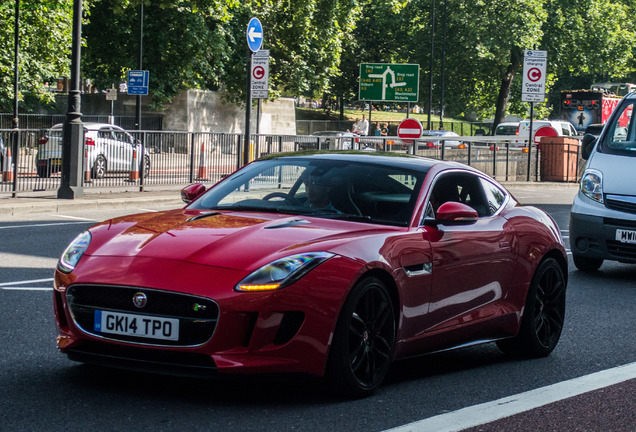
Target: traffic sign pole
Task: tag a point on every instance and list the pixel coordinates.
(248, 109)
(254, 37)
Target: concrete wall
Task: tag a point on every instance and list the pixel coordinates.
(202, 111)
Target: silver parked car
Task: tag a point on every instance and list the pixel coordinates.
(107, 148)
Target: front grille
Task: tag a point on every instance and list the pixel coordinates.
(624, 203)
(622, 251)
(619, 223)
(197, 315)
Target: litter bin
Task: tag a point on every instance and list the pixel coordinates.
(559, 158)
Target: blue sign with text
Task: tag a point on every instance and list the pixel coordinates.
(138, 82)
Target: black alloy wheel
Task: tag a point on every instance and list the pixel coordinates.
(544, 313)
(364, 340)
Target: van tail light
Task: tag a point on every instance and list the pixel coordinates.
(43, 140)
(517, 132)
(525, 149)
(462, 146)
(493, 148)
(429, 144)
(89, 142)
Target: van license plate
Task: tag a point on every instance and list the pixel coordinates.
(626, 236)
(136, 325)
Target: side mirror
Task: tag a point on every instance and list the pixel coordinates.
(454, 213)
(587, 145)
(192, 192)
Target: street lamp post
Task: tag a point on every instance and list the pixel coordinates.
(73, 139)
(430, 84)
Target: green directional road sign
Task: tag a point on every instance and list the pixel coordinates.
(389, 82)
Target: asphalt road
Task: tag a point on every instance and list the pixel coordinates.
(43, 390)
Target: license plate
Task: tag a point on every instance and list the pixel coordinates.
(137, 325)
(626, 236)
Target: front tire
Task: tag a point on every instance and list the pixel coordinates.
(543, 314)
(364, 339)
(587, 264)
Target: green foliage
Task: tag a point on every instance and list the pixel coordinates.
(45, 44)
(316, 46)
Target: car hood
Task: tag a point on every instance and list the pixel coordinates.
(231, 240)
(619, 175)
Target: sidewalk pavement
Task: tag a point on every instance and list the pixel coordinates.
(94, 199)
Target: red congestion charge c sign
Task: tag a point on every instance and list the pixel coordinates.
(534, 74)
(259, 72)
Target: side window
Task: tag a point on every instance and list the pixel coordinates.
(463, 188)
(121, 135)
(104, 133)
(495, 197)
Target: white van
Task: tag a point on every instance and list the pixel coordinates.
(603, 215)
(562, 128)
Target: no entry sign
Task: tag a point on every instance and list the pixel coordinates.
(409, 129)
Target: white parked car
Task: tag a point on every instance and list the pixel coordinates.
(108, 148)
(335, 140)
(433, 139)
(561, 127)
(603, 215)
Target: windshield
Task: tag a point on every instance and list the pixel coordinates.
(322, 188)
(620, 138)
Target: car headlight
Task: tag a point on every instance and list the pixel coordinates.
(73, 252)
(592, 185)
(282, 272)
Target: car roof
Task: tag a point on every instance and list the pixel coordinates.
(331, 133)
(90, 126)
(400, 160)
(439, 132)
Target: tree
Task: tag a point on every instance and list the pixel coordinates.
(201, 44)
(45, 45)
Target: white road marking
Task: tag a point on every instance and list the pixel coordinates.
(15, 286)
(42, 224)
(76, 217)
(490, 411)
(27, 288)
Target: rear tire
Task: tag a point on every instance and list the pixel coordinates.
(99, 167)
(364, 339)
(543, 314)
(587, 264)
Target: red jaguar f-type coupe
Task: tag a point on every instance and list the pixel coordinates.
(331, 264)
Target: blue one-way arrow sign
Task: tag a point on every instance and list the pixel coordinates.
(254, 34)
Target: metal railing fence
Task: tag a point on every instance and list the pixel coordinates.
(28, 163)
(308, 127)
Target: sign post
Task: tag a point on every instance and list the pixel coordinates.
(409, 130)
(137, 82)
(111, 95)
(254, 36)
(260, 74)
(388, 82)
(533, 88)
